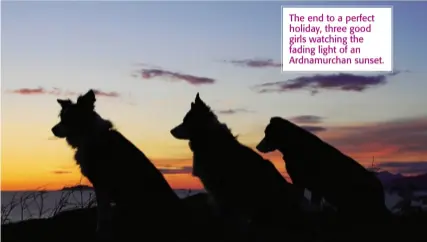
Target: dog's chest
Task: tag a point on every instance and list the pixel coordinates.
(201, 167)
(204, 168)
(93, 161)
(198, 169)
(201, 162)
(85, 162)
(215, 178)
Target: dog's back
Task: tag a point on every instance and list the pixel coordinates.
(342, 173)
(342, 180)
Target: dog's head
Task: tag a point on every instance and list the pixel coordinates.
(273, 135)
(196, 121)
(77, 119)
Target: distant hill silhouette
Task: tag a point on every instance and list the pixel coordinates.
(414, 182)
(77, 187)
(386, 177)
(399, 181)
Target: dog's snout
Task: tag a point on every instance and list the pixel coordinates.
(174, 132)
(180, 132)
(58, 131)
(264, 147)
(54, 130)
(260, 148)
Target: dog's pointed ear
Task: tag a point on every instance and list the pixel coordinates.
(87, 99)
(90, 95)
(197, 100)
(64, 102)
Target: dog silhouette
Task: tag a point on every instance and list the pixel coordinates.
(241, 182)
(118, 171)
(353, 190)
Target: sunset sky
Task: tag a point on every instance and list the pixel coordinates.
(148, 61)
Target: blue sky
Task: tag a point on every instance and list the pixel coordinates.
(80, 45)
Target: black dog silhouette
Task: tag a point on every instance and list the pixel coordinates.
(356, 192)
(242, 183)
(118, 170)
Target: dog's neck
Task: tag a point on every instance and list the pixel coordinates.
(217, 136)
(283, 147)
(290, 142)
(94, 134)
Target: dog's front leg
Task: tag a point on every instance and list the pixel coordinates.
(104, 216)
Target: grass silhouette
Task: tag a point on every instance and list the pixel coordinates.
(74, 219)
(68, 200)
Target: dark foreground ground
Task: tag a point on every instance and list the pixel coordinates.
(79, 225)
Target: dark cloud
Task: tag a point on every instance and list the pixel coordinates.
(403, 137)
(255, 63)
(61, 172)
(341, 81)
(410, 167)
(149, 73)
(58, 92)
(306, 119)
(37, 91)
(176, 170)
(105, 94)
(233, 111)
(306, 122)
(28, 91)
(313, 129)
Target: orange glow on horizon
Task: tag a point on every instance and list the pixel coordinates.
(177, 181)
(29, 178)
(39, 163)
